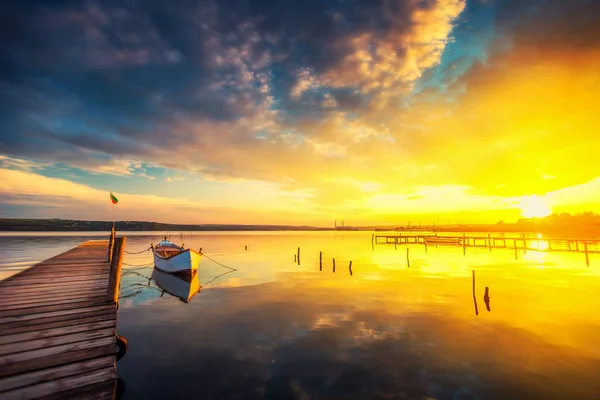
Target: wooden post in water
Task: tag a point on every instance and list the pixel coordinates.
(246, 248)
(320, 261)
(490, 241)
(407, 258)
(569, 244)
(298, 255)
(111, 243)
(114, 280)
(396, 243)
(524, 243)
(425, 243)
(464, 244)
(474, 297)
(334, 265)
(350, 268)
(515, 246)
(577, 245)
(372, 239)
(295, 260)
(587, 257)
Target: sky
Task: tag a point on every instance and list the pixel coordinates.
(274, 112)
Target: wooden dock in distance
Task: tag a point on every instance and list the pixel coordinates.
(58, 324)
(525, 243)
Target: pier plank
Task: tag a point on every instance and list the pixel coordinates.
(88, 318)
(58, 321)
(53, 307)
(31, 378)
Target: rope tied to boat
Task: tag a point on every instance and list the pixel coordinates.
(138, 252)
(218, 263)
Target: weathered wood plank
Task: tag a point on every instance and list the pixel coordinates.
(62, 268)
(106, 390)
(33, 302)
(64, 330)
(30, 345)
(48, 288)
(81, 319)
(61, 385)
(49, 294)
(41, 273)
(16, 359)
(4, 320)
(31, 378)
(66, 281)
(58, 359)
(53, 307)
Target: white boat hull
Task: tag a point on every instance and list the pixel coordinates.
(184, 262)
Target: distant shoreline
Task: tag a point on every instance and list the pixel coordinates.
(65, 225)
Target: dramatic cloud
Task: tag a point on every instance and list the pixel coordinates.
(493, 97)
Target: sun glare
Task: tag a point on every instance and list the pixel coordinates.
(535, 208)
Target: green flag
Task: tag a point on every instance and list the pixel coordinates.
(113, 198)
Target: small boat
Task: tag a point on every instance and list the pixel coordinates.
(174, 259)
(183, 287)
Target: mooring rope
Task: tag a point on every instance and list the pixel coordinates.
(222, 265)
(217, 277)
(138, 252)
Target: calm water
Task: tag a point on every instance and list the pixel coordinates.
(274, 329)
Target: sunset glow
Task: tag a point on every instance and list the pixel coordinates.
(302, 113)
(535, 208)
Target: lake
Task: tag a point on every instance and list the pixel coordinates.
(273, 329)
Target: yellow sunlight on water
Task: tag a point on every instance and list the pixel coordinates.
(535, 207)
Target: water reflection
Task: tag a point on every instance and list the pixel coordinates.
(486, 298)
(301, 341)
(182, 287)
(276, 329)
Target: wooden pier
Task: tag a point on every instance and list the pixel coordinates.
(524, 243)
(58, 324)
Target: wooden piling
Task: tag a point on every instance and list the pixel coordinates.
(334, 265)
(298, 255)
(490, 241)
(425, 243)
(295, 260)
(569, 244)
(396, 243)
(515, 246)
(577, 245)
(114, 280)
(407, 258)
(524, 243)
(464, 244)
(246, 248)
(350, 268)
(111, 244)
(320, 261)
(587, 257)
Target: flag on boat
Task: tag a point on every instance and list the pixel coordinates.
(113, 198)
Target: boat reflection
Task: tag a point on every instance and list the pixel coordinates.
(182, 287)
